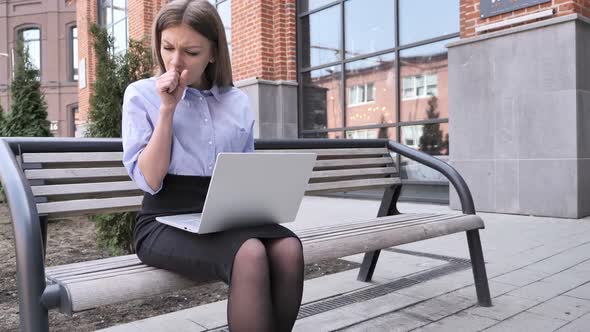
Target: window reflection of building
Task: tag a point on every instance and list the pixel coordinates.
(359, 38)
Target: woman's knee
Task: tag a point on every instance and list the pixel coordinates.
(286, 249)
(252, 251)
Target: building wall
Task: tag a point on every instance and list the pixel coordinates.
(519, 110)
(53, 18)
(470, 13)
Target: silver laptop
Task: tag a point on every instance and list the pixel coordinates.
(250, 189)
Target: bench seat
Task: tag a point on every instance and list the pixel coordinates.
(91, 284)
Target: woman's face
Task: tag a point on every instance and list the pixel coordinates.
(184, 48)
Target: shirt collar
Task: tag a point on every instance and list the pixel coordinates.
(214, 91)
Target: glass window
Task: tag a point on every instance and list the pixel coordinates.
(321, 37)
(424, 72)
(322, 106)
(74, 53)
(307, 5)
(371, 89)
(113, 16)
(425, 19)
(31, 38)
(369, 28)
(432, 138)
(224, 9)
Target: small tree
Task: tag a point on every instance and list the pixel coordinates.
(114, 74)
(28, 116)
(104, 116)
(431, 141)
(2, 121)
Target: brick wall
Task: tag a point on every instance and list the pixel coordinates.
(470, 16)
(87, 12)
(263, 39)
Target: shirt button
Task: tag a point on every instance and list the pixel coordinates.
(206, 119)
(200, 98)
(210, 142)
(210, 167)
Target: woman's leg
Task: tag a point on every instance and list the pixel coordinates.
(286, 271)
(249, 306)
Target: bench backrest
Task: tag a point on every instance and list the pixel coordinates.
(78, 183)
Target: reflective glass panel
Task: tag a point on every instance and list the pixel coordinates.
(322, 107)
(424, 82)
(429, 138)
(369, 28)
(307, 5)
(425, 19)
(321, 37)
(370, 91)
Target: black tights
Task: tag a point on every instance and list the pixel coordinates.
(266, 286)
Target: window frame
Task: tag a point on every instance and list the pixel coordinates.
(397, 48)
(73, 72)
(18, 34)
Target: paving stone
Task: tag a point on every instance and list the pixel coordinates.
(528, 322)
(562, 307)
(503, 307)
(582, 292)
(552, 286)
(439, 307)
(563, 260)
(460, 322)
(579, 325)
(521, 277)
(439, 286)
(496, 289)
(394, 322)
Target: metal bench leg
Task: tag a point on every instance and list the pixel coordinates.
(479, 269)
(388, 208)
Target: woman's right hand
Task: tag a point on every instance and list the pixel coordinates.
(170, 87)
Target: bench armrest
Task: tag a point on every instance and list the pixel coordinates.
(447, 170)
(25, 222)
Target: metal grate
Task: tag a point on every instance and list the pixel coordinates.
(380, 290)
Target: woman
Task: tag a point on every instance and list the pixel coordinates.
(174, 125)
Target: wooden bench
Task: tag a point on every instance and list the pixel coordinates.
(47, 178)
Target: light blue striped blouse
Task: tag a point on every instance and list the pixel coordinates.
(206, 122)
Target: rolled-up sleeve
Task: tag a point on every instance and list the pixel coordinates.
(136, 132)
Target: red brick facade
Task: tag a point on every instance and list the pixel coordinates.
(470, 15)
(263, 39)
(87, 12)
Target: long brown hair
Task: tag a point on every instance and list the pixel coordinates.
(204, 19)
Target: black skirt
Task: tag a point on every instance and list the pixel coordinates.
(200, 257)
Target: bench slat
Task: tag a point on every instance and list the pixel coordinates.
(351, 185)
(88, 206)
(353, 172)
(72, 157)
(75, 173)
(83, 188)
(354, 162)
(334, 152)
(130, 279)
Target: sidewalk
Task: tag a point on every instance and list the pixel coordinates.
(538, 270)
